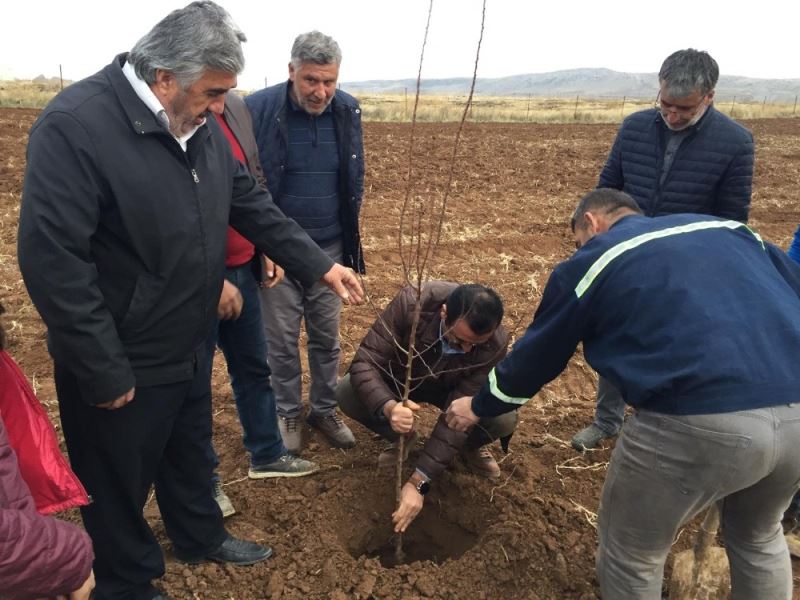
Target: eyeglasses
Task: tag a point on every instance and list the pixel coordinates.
(457, 341)
(454, 341)
(686, 112)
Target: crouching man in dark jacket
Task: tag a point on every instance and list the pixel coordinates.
(128, 193)
(705, 350)
(458, 340)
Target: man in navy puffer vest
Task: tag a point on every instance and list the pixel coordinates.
(681, 157)
(311, 149)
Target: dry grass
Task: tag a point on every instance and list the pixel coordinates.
(439, 109)
(397, 108)
(27, 94)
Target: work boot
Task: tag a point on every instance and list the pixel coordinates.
(334, 429)
(481, 462)
(287, 465)
(225, 504)
(291, 429)
(589, 438)
(388, 458)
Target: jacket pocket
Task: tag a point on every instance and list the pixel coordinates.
(146, 295)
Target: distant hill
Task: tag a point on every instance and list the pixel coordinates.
(588, 83)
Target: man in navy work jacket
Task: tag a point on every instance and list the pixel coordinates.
(311, 149)
(128, 193)
(682, 157)
(697, 321)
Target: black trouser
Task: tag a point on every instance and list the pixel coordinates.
(159, 438)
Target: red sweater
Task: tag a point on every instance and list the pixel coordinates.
(238, 251)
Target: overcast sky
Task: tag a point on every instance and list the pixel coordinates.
(381, 39)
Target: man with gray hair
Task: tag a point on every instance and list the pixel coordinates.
(311, 149)
(128, 193)
(683, 156)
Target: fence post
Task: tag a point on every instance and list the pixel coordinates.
(732, 105)
(622, 112)
(763, 106)
(795, 105)
(405, 114)
(575, 116)
(61, 76)
(528, 109)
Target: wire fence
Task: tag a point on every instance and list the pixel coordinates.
(536, 109)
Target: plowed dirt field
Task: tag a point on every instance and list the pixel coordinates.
(531, 534)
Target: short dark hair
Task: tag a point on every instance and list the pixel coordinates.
(607, 200)
(2, 331)
(687, 71)
(480, 306)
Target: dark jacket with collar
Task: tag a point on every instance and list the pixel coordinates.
(268, 108)
(712, 172)
(378, 370)
(122, 235)
(684, 314)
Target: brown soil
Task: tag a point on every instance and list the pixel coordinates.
(531, 534)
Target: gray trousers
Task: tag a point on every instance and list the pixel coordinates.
(282, 308)
(665, 469)
(610, 410)
(487, 430)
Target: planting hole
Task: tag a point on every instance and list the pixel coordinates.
(432, 537)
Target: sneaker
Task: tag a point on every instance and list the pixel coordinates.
(481, 462)
(287, 465)
(388, 458)
(333, 428)
(233, 551)
(291, 432)
(589, 438)
(225, 504)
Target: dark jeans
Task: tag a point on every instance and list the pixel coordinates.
(159, 437)
(245, 348)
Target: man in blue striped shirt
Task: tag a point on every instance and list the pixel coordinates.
(696, 320)
(311, 149)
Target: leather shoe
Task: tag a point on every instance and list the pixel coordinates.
(234, 551)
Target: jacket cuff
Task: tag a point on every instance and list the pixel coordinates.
(107, 388)
(484, 404)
